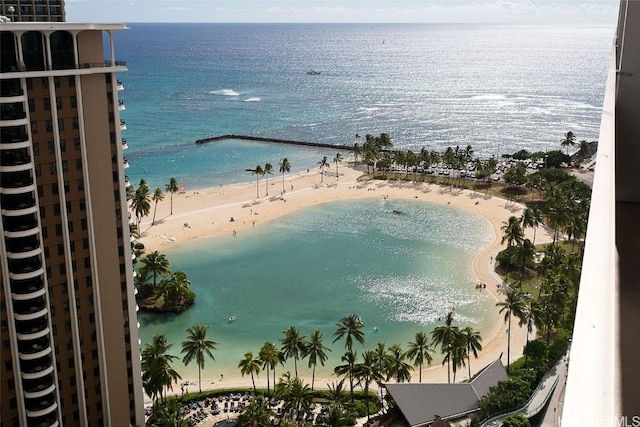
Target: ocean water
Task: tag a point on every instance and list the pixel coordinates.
(400, 273)
(500, 88)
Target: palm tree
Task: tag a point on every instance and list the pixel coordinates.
(172, 187)
(256, 414)
(514, 304)
(457, 354)
(445, 336)
(196, 346)
(157, 373)
(258, 172)
(347, 370)
(531, 217)
(419, 352)
(296, 395)
(472, 340)
(512, 231)
(524, 255)
(357, 150)
(350, 327)
(569, 140)
(334, 416)
(532, 316)
(324, 163)
(141, 202)
(293, 345)
(268, 170)
(365, 372)
(315, 350)
(169, 414)
(268, 355)
(337, 160)
(399, 370)
(158, 196)
(285, 167)
(155, 263)
(250, 366)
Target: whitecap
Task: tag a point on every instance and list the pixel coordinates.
(489, 96)
(224, 92)
(253, 99)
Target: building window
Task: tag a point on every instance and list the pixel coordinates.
(63, 146)
(38, 171)
(49, 125)
(52, 168)
(58, 229)
(64, 166)
(80, 184)
(56, 208)
(83, 223)
(63, 270)
(78, 164)
(32, 105)
(85, 243)
(44, 232)
(66, 183)
(76, 144)
(75, 123)
(60, 249)
(44, 82)
(72, 81)
(60, 124)
(50, 147)
(40, 193)
(36, 149)
(54, 189)
(82, 204)
(65, 305)
(59, 103)
(47, 104)
(34, 128)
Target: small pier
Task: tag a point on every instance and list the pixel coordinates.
(276, 141)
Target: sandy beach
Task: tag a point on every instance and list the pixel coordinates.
(209, 212)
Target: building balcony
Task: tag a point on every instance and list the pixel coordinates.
(124, 144)
(125, 163)
(32, 329)
(123, 124)
(119, 85)
(33, 307)
(16, 179)
(40, 407)
(17, 202)
(32, 349)
(26, 287)
(25, 296)
(15, 157)
(46, 421)
(126, 182)
(25, 264)
(24, 276)
(18, 226)
(38, 388)
(33, 369)
(121, 105)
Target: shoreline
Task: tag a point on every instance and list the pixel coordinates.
(208, 212)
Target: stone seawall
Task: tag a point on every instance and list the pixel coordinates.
(273, 140)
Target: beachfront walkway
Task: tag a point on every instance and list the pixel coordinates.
(540, 396)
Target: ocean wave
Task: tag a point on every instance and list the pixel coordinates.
(224, 92)
(489, 96)
(253, 99)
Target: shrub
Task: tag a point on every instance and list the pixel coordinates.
(516, 420)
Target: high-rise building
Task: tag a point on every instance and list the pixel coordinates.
(33, 10)
(70, 350)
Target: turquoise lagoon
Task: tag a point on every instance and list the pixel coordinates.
(400, 273)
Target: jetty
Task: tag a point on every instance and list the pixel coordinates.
(274, 140)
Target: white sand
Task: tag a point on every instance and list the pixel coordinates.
(207, 213)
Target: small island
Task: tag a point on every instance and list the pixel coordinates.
(170, 294)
